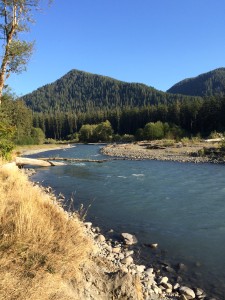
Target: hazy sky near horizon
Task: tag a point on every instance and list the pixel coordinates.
(155, 42)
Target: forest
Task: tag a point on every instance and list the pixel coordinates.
(187, 118)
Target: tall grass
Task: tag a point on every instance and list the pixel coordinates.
(40, 245)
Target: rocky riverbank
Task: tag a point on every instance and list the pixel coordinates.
(152, 283)
(158, 150)
(119, 275)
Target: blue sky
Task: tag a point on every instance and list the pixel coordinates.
(156, 42)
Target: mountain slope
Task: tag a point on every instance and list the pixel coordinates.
(207, 84)
(82, 91)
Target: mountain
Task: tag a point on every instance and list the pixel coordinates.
(208, 84)
(82, 92)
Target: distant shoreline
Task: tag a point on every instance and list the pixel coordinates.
(155, 150)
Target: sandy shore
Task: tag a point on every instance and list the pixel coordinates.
(156, 150)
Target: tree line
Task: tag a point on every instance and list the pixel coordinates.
(192, 117)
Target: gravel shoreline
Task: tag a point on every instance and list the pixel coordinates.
(178, 153)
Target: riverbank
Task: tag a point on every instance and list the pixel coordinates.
(34, 149)
(67, 259)
(165, 151)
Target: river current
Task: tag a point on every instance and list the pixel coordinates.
(180, 206)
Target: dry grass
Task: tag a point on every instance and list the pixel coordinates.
(41, 248)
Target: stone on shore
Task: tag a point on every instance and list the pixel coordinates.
(100, 238)
(127, 260)
(187, 292)
(129, 239)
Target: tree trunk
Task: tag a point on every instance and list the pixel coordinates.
(5, 60)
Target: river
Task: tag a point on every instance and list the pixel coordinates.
(180, 206)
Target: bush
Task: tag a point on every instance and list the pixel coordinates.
(38, 136)
(185, 141)
(6, 148)
(116, 138)
(128, 138)
(168, 143)
(50, 141)
(154, 131)
(215, 135)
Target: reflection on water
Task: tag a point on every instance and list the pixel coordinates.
(179, 206)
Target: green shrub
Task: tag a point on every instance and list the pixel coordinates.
(215, 135)
(185, 141)
(168, 143)
(37, 135)
(6, 148)
(50, 141)
(127, 138)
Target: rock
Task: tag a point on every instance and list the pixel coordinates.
(163, 280)
(183, 297)
(176, 286)
(100, 238)
(140, 268)
(199, 291)
(116, 250)
(129, 239)
(97, 229)
(167, 286)
(154, 246)
(149, 272)
(121, 256)
(181, 267)
(187, 292)
(88, 225)
(129, 253)
(127, 260)
(124, 269)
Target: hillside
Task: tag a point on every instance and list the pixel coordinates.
(207, 84)
(82, 92)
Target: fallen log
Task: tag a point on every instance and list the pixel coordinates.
(74, 159)
(22, 161)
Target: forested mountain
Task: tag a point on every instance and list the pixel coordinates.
(61, 108)
(82, 92)
(207, 84)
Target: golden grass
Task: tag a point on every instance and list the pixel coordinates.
(40, 246)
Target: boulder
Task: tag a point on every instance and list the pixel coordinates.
(140, 268)
(187, 292)
(116, 250)
(127, 260)
(100, 238)
(163, 280)
(129, 239)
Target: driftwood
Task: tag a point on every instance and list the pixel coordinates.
(22, 161)
(74, 159)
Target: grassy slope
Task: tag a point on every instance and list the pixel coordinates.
(47, 254)
(40, 246)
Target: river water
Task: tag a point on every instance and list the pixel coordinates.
(180, 206)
